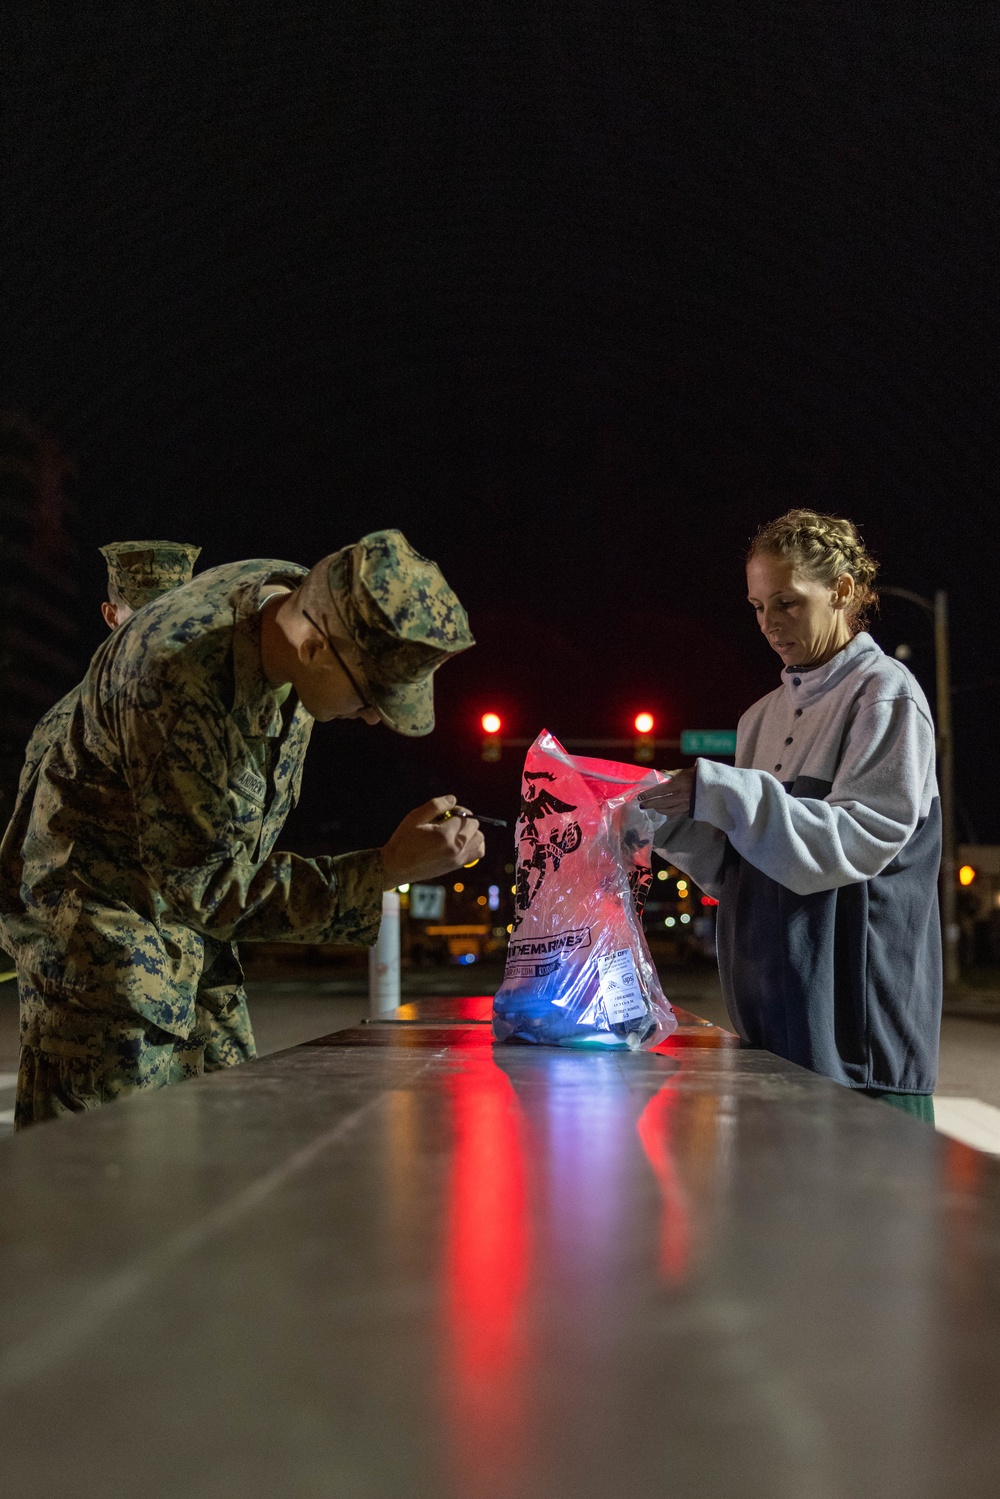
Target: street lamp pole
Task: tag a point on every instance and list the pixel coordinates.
(937, 608)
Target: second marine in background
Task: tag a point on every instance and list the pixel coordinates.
(138, 573)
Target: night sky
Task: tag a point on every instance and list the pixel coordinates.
(575, 295)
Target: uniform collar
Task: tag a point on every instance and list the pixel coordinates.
(806, 686)
(255, 703)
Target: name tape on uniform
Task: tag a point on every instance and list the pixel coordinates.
(249, 784)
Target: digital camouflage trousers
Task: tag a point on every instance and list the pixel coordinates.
(73, 1060)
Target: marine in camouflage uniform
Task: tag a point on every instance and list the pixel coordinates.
(138, 572)
(150, 845)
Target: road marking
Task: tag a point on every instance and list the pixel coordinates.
(970, 1120)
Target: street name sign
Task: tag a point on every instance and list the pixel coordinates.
(708, 741)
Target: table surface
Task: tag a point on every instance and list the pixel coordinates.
(404, 1262)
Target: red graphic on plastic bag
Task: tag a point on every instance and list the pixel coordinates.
(578, 967)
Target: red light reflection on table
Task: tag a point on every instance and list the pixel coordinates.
(962, 1173)
(654, 1128)
(471, 1007)
(487, 1252)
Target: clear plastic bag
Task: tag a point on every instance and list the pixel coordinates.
(578, 968)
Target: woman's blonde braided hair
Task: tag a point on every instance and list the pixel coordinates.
(823, 547)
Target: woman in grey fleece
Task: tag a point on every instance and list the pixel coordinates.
(823, 843)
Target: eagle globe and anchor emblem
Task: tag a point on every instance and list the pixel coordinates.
(540, 851)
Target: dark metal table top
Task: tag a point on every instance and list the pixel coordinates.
(404, 1262)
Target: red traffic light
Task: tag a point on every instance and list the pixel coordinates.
(491, 725)
(645, 746)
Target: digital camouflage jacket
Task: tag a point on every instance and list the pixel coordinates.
(157, 806)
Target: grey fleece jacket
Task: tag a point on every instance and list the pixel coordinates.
(822, 846)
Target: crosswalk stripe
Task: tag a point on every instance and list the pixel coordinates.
(970, 1120)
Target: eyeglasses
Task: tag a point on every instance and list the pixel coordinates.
(348, 673)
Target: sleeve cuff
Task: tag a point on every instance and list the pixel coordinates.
(358, 881)
(711, 781)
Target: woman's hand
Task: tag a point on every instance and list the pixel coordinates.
(673, 798)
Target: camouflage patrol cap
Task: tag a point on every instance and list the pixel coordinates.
(139, 571)
(398, 612)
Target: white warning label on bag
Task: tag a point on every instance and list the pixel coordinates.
(620, 991)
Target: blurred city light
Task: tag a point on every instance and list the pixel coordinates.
(493, 898)
(966, 874)
(644, 723)
(491, 723)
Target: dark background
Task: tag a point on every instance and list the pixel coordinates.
(575, 295)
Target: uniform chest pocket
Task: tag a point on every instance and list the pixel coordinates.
(246, 792)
